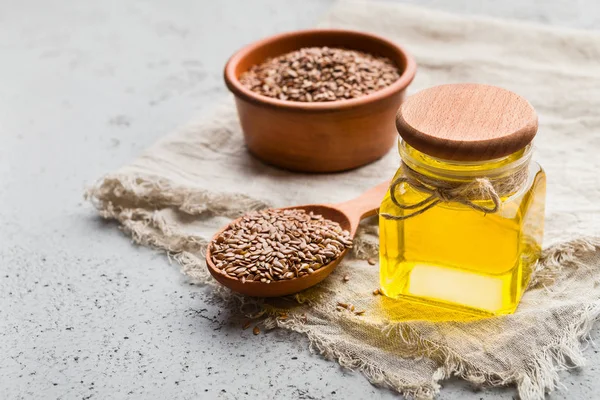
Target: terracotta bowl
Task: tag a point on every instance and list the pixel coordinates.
(321, 136)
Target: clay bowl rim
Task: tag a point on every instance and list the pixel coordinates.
(320, 274)
(236, 87)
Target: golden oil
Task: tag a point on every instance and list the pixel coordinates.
(455, 256)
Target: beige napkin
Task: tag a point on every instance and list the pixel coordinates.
(194, 180)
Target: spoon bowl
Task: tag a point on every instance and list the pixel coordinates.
(347, 214)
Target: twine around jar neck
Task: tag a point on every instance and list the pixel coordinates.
(468, 193)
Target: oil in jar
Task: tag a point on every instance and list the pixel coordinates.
(457, 257)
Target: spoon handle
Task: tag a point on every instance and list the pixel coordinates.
(365, 205)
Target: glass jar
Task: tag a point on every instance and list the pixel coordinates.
(461, 227)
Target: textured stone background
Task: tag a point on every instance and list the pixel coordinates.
(85, 87)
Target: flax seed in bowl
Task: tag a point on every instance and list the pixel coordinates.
(321, 74)
(319, 100)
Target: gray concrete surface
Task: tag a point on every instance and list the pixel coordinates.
(86, 86)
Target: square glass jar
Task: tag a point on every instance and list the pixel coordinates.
(462, 224)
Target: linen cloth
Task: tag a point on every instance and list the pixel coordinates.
(181, 190)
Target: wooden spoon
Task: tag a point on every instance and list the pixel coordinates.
(347, 214)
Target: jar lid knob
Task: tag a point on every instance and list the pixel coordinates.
(467, 122)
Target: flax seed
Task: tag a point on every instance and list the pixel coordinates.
(321, 74)
(262, 255)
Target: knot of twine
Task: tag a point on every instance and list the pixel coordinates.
(468, 193)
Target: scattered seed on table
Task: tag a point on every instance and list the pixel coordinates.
(361, 312)
(346, 278)
(247, 324)
(318, 74)
(256, 330)
(376, 292)
(372, 261)
(291, 244)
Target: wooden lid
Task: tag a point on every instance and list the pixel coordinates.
(467, 122)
